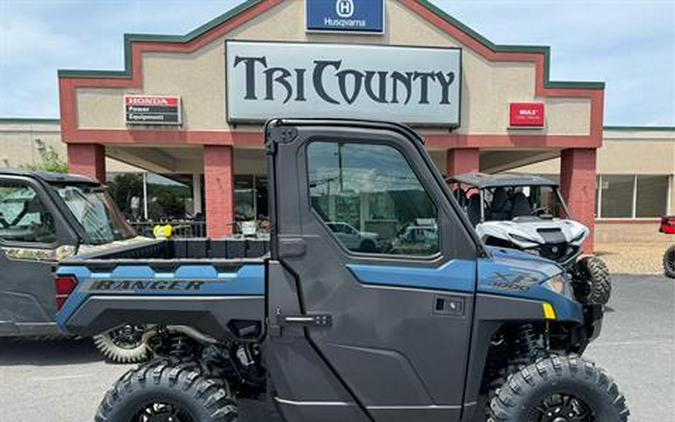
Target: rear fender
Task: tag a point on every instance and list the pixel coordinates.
(214, 299)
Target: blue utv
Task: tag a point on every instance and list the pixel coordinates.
(426, 324)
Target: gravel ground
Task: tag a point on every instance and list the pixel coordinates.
(63, 381)
(633, 258)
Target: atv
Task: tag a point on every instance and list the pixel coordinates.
(527, 213)
(440, 329)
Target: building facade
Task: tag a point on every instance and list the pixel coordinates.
(194, 106)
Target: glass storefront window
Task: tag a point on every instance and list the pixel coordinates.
(250, 198)
(652, 195)
(617, 196)
(244, 200)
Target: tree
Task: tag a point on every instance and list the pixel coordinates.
(123, 187)
(49, 161)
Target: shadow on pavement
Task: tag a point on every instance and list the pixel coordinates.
(47, 352)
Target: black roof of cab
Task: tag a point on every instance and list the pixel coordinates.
(50, 177)
(483, 180)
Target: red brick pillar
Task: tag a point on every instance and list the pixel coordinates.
(577, 184)
(219, 190)
(462, 160)
(88, 160)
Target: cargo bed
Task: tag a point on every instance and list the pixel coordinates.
(207, 284)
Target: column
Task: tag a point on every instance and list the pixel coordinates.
(196, 193)
(218, 190)
(87, 160)
(577, 185)
(462, 160)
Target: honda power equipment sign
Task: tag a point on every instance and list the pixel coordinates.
(414, 85)
(152, 110)
(345, 15)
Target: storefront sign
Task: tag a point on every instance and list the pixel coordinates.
(345, 15)
(414, 85)
(526, 115)
(152, 110)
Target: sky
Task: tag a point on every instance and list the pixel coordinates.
(630, 45)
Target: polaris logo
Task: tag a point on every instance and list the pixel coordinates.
(119, 286)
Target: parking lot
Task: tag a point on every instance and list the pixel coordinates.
(64, 380)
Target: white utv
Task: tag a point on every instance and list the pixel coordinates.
(527, 212)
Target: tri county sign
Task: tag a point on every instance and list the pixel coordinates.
(414, 85)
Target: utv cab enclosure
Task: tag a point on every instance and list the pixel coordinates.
(46, 217)
(421, 330)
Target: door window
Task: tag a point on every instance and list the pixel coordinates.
(23, 216)
(370, 198)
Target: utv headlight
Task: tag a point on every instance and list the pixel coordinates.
(579, 237)
(555, 284)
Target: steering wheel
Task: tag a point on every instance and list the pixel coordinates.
(539, 210)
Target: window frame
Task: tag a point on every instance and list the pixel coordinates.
(439, 254)
(634, 194)
(46, 202)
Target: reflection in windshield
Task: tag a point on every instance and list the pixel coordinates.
(94, 210)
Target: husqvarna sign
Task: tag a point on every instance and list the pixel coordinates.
(414, 85)
(345, 15)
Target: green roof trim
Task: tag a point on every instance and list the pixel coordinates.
(28, 120)
(130, 38)
(641, 128)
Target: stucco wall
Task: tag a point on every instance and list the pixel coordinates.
(21, 141)
(626, 152)
(633, 232)
(199, 77)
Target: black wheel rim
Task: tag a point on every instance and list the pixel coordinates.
(127, 337)
(562, 408)
(163, 411)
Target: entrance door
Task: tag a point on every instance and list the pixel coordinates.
(383, 273)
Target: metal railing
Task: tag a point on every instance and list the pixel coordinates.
(186, 228)
(179, 228)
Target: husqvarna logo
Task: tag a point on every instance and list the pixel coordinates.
(345, 8)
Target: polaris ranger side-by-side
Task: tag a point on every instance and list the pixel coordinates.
(418, 330)
(46, 217)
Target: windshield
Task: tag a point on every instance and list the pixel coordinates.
(510, 202)
(95, 211)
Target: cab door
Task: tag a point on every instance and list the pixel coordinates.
(32, 236)
(386, 327)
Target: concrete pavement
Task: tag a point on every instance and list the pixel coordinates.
(63, 381)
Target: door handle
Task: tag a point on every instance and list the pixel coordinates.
(304, 320)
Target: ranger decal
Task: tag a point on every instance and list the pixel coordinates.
(143, 285)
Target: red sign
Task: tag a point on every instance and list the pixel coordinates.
(151, 101)
(526, 115)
